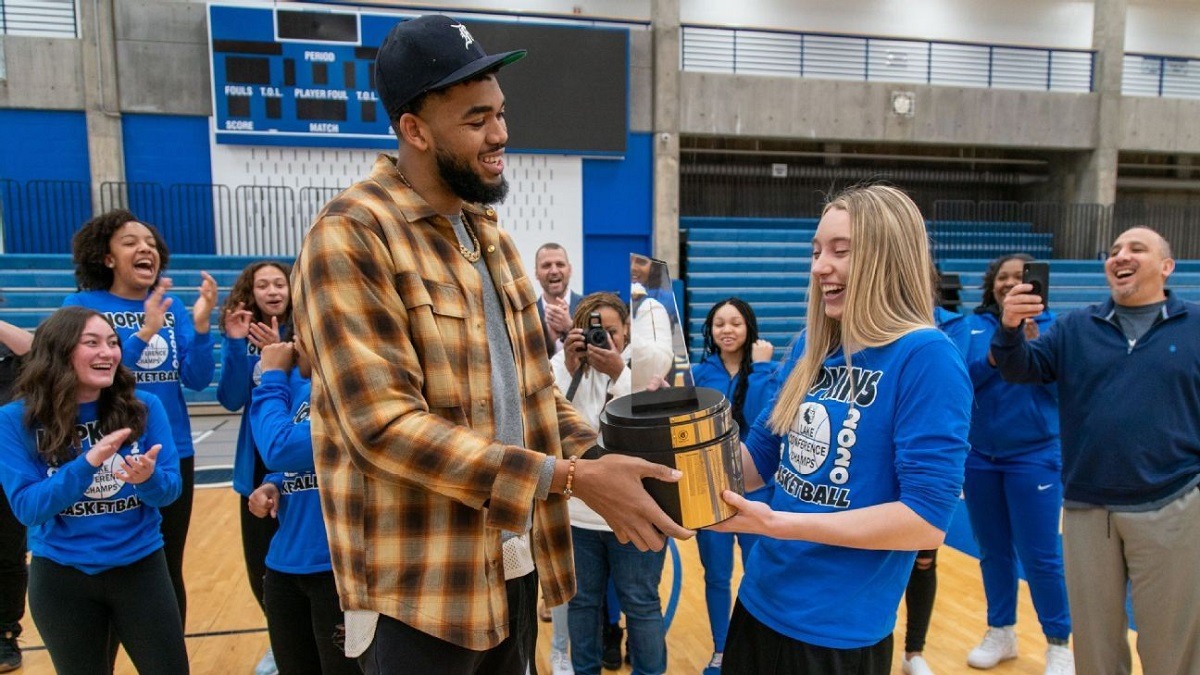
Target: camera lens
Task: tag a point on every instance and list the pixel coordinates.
(597, 336)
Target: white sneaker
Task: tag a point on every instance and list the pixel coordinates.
(916, 666)
(1059, 660)
(560, 664)
(266, 665)
(999, 644)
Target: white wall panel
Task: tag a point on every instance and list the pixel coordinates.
(545, 199)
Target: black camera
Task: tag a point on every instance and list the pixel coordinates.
(595, 333)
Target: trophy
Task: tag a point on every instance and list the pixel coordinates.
(667, 419)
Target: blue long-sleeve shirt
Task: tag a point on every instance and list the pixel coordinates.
(174, 358)
(240, 374)
(760, 391)
(1130, 412)
(1009, 419)
(954, 325)
(279, 419)
(84, 516)
(903, 439)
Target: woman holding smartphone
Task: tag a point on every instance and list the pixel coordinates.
(1013, 487)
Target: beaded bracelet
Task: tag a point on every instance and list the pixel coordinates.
(567, 491)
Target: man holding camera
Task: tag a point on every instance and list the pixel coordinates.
(1128, 375)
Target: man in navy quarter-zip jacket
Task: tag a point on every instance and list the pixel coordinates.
(1128, 374)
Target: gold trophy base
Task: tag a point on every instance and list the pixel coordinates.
(695, 434)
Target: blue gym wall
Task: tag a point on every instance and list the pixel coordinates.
(168, 166)
(618, 215)
(44, 179)
(166, 149)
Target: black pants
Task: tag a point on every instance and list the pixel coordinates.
(754, 649)
(14, 576)
(400, 648)
(918, 600)
(256, 541)
(176, 519)
(304, 620)
(76, 613)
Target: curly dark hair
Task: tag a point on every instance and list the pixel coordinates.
(243, 292)
(743, 374)
(988, 302)
(93, 241)
(48, 384)
(592, 302)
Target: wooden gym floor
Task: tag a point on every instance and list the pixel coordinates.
(227, 632)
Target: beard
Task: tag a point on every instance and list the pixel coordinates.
(465, 183)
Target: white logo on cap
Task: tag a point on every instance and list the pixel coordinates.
(464, 34)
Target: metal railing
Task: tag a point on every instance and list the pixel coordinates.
(1178, 224)
(873, 59)
(1160, 75)
(1075, 231)
(966, 211)
(41, 18)
(207, 218)
(42, 216)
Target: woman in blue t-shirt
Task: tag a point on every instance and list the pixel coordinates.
(257, 312)
(866, 442)
(300, 597)
(118, 265)
(738, 364)
(87, 462)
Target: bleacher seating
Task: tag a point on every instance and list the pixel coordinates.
(33, 286)
(768, 266)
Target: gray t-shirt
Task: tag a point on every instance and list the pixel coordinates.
(506, 399)
(1135, 321)
(506, 395)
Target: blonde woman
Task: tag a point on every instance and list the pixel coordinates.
(866, 442)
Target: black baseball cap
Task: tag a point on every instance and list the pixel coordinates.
(428, 53)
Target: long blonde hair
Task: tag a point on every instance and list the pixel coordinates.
(888, 293)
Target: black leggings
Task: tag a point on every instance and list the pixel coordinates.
(256, 541)
(304, 620)
(753, 648)
(76, 613)
(14, 576)
(176, 518)
(918, 600)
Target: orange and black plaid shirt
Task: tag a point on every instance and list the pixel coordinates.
(414, 487)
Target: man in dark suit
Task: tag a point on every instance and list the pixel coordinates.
(558, 301)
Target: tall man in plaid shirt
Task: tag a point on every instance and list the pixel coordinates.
(445, 454)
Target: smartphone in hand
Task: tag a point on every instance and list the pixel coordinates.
(1037, 274)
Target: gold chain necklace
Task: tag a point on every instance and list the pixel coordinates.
(471, 256)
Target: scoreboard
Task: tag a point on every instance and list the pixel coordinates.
(306, 77)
